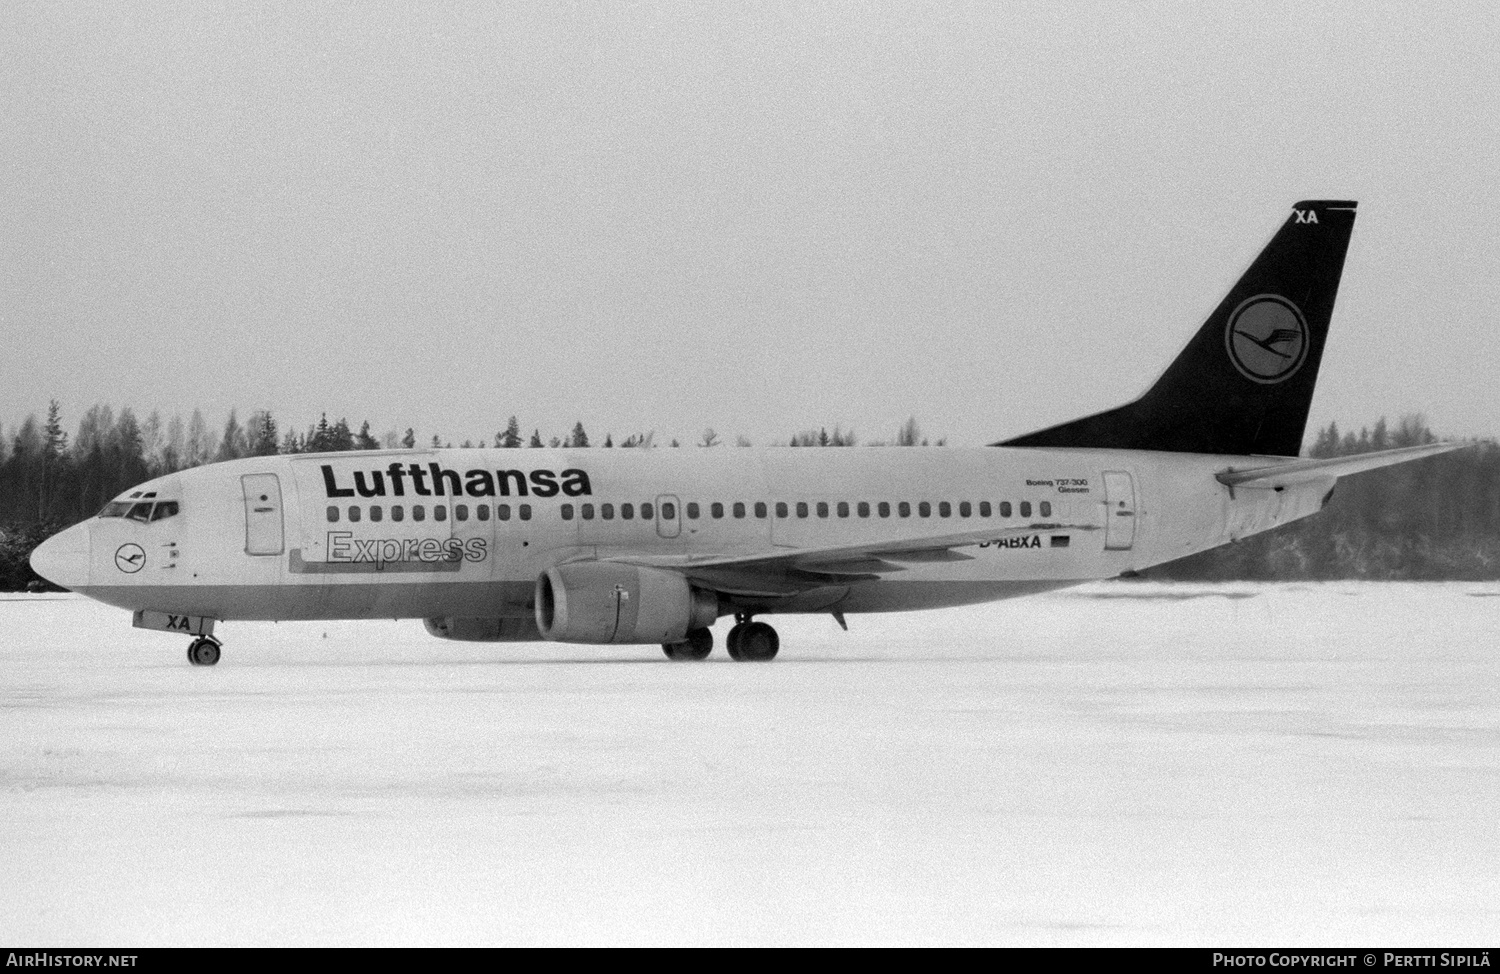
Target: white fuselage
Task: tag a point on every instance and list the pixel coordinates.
(262, 538)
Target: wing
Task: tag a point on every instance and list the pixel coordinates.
(787, 571)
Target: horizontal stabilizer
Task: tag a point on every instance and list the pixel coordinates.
(1304, 471)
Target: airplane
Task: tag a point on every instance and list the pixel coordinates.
(653, 546)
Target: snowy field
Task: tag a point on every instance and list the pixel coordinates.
(1122, 763)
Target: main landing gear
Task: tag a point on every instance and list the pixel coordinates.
(753, 642)
(203, 651)
(698, 644)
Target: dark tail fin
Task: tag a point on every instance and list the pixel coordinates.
(1244, 383)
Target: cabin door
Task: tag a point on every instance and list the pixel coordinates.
(263, 530)
(1119, 510)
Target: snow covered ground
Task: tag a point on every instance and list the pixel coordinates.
(1119, 763)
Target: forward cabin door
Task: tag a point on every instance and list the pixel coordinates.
(263, 524)
(1119, 510)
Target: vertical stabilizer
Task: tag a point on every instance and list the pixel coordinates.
(1244, 384)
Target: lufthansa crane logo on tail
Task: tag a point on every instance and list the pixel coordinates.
(1267, 339)
(130, 558)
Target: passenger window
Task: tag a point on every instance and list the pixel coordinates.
(924, 509)
(843, 508)
(822, 508)
(460, 512)
(781, 509)
(904, 509)
(1005, 508)
(1046, 508)
(802, 508)
(760, 509)
(333, 514)
(885, 509)
(1026, 508)
(567, 512)
(398, 513)
(627, 512)
(525, 512)
(607, 511)
(692, 510)
(669, 511)
(483, 511)
(984, 508)
(739, 508)
(377, 513)
(354, 514)
(863, 509)
(945, 509)
(646, 514)
(502, 512)
(965, 509)
(439, 512)
(716, 509)
(418, 512)
(587, 510)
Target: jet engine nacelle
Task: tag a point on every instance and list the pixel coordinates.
(512, 630)
(599, 602)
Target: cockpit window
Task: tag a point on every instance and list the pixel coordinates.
(143, 510)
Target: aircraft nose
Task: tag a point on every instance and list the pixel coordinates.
(63, 559)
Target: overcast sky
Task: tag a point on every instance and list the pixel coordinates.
(758, 218)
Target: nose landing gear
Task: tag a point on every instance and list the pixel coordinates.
(203, 651)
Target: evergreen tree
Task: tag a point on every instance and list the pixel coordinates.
(320, 439)
(264, 440)
(364, 440)
(55, 441)
(511, 438)
(578, 438)
(340, 437)
(536, 438)
(233, 444)
(410, 439)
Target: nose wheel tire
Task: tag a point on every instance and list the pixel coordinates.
(203, 651)
(698, 644)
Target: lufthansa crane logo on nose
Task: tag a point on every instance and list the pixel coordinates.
(1267, 339)
(130, 558)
